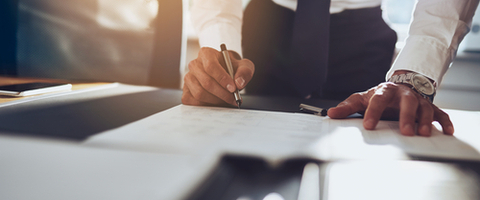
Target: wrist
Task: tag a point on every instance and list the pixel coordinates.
(419, 83)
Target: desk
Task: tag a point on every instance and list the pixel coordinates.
(79, 115)
(76, 116)
(12, 80)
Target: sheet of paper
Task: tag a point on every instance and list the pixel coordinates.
(348, 139)
(187, 129)
(276, 136)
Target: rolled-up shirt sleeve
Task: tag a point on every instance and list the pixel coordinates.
(217, 22)
(437, 28)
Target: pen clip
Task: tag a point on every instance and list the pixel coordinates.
(313, 110)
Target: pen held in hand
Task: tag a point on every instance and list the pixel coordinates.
(228, 63)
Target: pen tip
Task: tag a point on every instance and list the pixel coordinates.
(239, 103)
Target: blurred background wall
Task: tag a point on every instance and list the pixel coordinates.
(108, 40)
(112, 40)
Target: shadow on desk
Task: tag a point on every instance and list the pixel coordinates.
(79, 120)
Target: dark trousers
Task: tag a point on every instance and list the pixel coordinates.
(360, 53)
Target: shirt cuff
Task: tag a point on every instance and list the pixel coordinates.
(424, 55)
(214, 35)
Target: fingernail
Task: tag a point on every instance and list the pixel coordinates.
(425, 130)
(408, 130)
(230, 88)
(369, 124)
(240, 81)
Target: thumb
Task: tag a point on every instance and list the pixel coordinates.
(351, 105)
(244, 73)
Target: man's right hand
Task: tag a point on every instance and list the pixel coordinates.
(208, 83)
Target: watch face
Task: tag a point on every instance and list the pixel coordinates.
(423, 85)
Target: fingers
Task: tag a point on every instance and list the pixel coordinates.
(200, 94)
(425, 117)
(444, 120)
(204, 88)
(414, 107)
(353, 104)
(207, 82)
(188, 99)
(212, 67)
(244, 72)
(381, 98)
(408, 113)
(389, 99)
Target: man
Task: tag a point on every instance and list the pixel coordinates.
(437, 28)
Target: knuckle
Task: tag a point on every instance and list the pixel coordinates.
(357, 96)
(208, 85)
(224, 79)
(193, 64)
(379, 98)
(384, 89)
(387, 86)
(197, 94)
(210, 67)
(426, 105)
(188, 77)
(410, 96)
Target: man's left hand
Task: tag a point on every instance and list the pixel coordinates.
(397, 101)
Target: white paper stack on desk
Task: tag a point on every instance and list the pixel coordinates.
(278, 136)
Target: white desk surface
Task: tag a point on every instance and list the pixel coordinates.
(48, 169)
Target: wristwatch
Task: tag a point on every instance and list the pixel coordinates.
(418, 83)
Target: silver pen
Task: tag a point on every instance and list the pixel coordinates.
(314, 110)
(228, 62)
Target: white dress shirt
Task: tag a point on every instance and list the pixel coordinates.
(436, 30)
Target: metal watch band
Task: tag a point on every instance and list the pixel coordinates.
(407, 79)
(402, 78)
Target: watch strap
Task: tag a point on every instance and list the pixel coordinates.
(407, 78)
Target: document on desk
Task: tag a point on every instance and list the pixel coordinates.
(192, 129)
(277, 136)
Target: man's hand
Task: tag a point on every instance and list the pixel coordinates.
(397, 101)
(208, 83)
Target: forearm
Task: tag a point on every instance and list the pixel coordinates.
(437, 28)
(217, 22)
